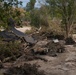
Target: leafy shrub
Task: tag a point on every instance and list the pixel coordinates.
(11, 49)
(55, 26)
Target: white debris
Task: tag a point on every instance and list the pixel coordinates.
(55, 40)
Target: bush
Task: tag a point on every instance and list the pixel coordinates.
(26, 69)
(11, 49)
(69, 41)
(54, 26)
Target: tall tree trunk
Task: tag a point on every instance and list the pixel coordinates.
(67, 35)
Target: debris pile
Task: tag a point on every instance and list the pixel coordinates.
(48, 47)
(24, 52)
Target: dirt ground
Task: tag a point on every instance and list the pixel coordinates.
(63, 64)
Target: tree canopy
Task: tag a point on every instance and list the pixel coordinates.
(30, 5)
(7, 10)
(65, 9)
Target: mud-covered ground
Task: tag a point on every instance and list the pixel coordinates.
(43, 58)
(63, 64)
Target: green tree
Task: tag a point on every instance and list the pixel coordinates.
(52, 7)
(30, 8)
(30, 5)
(7, 10)
(66, 9)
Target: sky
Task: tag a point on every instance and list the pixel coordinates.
(37, 4)
(24, 2)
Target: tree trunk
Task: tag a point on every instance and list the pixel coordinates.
(67, 31)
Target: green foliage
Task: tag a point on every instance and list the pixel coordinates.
(65, 9)
(40, 16)
(30, 5)
(27, 16)
(54, 28)
(52, 7)
(11, 49)
(44, 15)
(35, 18)
(6, 11)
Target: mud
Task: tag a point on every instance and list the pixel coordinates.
(43, 58)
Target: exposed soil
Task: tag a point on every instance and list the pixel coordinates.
(62, 64)
(43, 58)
